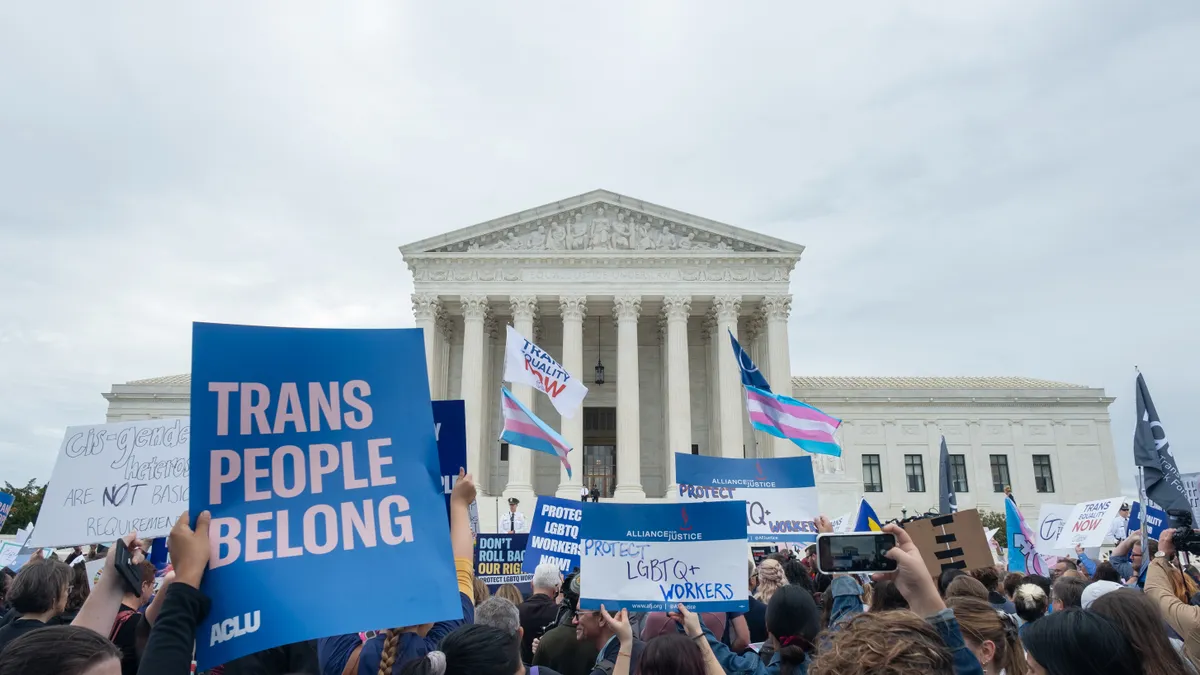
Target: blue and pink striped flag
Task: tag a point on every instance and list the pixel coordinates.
(798, 422)
(523, 429)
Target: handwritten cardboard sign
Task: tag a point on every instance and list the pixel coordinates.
(780, 493)
(652, 557)
(1088, 523)
(554, 534)
(110, 479)
(954, 541)
(314, 450)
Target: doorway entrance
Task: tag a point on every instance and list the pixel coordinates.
(600, 450)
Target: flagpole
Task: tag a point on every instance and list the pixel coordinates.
(1144, 506)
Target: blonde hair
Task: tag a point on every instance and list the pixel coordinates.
(981, 622)
(770, 579)
(884, 643)
(510, 593)
(480, 592)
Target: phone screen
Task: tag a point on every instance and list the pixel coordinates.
(861, 552)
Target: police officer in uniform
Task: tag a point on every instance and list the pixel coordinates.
(514, 520)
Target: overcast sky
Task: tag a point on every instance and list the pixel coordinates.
(984, 188)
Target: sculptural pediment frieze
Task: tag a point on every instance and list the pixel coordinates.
(599, 228)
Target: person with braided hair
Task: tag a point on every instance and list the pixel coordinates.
(387, 653)
(473, 650)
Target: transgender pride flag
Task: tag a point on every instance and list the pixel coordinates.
(798, 422)
(522, 428)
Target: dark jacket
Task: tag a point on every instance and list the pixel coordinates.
(609, 654)
(537, 613)
(169, 650)
(560, 650)
(299, 658)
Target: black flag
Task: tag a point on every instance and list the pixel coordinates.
(1152, 452)
(947, 500)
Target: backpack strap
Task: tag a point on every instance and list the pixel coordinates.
(607, 666)
(122, 619)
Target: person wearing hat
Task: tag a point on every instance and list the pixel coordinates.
(513, 522)
(1120, 525)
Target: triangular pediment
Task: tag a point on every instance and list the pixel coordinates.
(601, 222)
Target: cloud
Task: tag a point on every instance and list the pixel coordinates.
(984, 188)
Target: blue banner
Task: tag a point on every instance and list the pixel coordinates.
(6, 502)
(554, 534)
(652, 557)
(780, 493)
(1156, 521)
(450, 429)
(314, 451)
(499, 560)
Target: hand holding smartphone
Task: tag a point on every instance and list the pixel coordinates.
(858, 552)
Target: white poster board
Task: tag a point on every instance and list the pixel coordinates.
(94, 569)
(1088, 523)
(110, 479)
(1051, 520)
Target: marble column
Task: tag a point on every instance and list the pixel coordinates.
(445, 328)
(777, 308)
(425, 311)
(679, 400)
(474, 309)
(520, 460)
(573, 309)
(626, 310)
(729, 377)
(708, 329)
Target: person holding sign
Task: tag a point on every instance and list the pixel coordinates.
(388, 652)
(670, 653)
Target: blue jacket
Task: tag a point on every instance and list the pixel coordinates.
(334, 652)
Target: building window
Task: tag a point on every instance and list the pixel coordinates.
(872, 474)
(958, 473)
(1043, 475)
(695, 448)
(504, 452)
(914, 471)
(999, 473)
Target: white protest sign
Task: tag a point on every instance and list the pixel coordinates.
(652, 557)
(1088, 523)
(526, 363)
(845, 523)
(8, 553)
(1050, 523)
(780, 493)
(110, 479)
(94, 569)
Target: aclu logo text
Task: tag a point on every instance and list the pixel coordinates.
(226, 630)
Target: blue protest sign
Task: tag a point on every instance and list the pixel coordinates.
(450, 429)
(652, 557)
(780, 493)
(498, 561)
(315, 452)
(6, 502)
(554, 534)
(1156, 520)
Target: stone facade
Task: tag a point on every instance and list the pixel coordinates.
(653, 293)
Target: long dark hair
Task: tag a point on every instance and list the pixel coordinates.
(671, 654)
(794, 621)
(887, 597)
(1142, 623)
(80, 590)
(57, 650)
(473, 649)
(1080, 642)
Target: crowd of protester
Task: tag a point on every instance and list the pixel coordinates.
(1087, 617)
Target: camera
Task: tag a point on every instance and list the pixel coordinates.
(1185, 538)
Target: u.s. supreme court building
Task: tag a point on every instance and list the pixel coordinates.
(636, 299)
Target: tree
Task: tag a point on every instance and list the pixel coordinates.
(995, 519)
(27, 501)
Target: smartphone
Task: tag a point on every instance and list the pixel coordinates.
(123, 563)
(855, 552)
